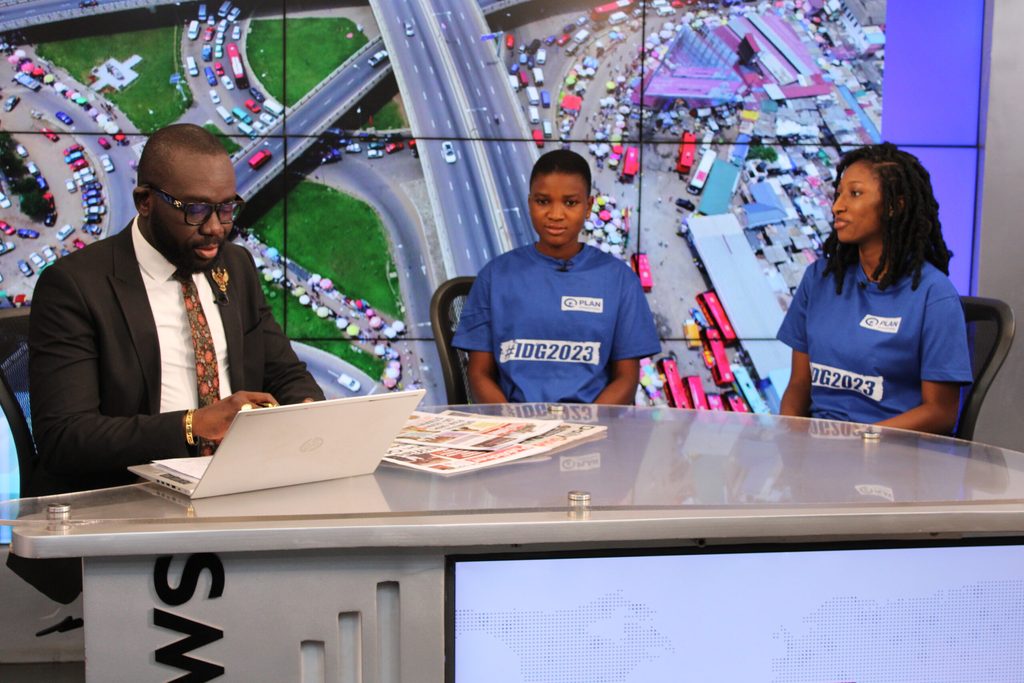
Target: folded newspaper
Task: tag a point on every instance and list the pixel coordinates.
(453, 442)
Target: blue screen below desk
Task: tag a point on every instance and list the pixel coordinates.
(880, 615)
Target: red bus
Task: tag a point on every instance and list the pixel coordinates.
(642, 267)
(715, 402)
(735, 403)
(712, 309)
(237, 70)
(721, 373)
(602, 12)
(675, 394)
(630, 164)
(696, 389)
(687, 150)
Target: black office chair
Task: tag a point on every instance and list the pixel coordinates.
(990, 329)
(58, 579)
(445, 310)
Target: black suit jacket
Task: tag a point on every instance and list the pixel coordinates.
(94, 364)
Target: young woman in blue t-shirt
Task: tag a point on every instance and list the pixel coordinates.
(876, 327)
(556, 321)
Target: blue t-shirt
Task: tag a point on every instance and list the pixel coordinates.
(555, 326)
(869, 348)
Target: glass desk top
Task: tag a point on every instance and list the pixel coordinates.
(651, 459)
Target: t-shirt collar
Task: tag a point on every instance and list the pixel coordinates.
(557, 263)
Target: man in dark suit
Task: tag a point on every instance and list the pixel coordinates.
(113, 351)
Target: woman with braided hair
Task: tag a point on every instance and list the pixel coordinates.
(876, 327)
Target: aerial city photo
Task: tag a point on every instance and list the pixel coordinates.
(385, 147)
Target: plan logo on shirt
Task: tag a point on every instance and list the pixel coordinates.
(585, 304)
(880, 324)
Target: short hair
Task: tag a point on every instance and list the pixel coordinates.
(162, 145)
(562, 161)
(911, 231)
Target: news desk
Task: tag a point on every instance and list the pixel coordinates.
(352, 579)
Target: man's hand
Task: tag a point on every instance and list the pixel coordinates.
(212, 422)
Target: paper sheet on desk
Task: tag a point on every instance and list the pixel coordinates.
(190, 467)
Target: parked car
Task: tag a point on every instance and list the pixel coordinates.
(21, 151)
(25, 269)
(214, 97)
(6, 247)
(36, 260)
(228, 83)
(374, 154)
(50, 219)
(69, 184)
(5, 203)
(11, 102)
(64, 118)
(253, 106)
(7, 228)
(28, 233)
(257, 95)
(392, 147)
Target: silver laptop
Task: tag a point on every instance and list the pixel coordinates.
(296, 444)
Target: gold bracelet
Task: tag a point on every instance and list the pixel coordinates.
(189, 438)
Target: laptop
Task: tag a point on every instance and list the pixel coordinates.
(295, 444)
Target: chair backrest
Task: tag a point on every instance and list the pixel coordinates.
(990, 329)
(14, 399)
(445, 310)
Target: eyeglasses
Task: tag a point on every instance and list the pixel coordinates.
(197, 213)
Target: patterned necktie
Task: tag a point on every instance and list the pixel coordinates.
(207, 375)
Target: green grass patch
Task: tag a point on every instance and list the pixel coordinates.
(229, 144)
(316, 47)
(151, 102)
(303, 324)
(389, 117)
(339, 237)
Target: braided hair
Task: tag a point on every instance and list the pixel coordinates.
(911, 232)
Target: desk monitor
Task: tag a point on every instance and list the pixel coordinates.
(828, 614)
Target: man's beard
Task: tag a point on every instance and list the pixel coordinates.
(182, 257)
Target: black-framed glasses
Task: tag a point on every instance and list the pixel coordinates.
(197, 213)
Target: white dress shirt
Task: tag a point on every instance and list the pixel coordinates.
(178, 388)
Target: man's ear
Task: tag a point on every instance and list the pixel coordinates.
(142, 198)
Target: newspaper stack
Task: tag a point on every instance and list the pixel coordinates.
(454, 442)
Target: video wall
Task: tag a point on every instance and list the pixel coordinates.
(385, 149)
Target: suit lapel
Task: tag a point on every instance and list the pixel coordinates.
(126, 281)
(230, 316)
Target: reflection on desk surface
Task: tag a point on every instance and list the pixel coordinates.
(651, 458)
